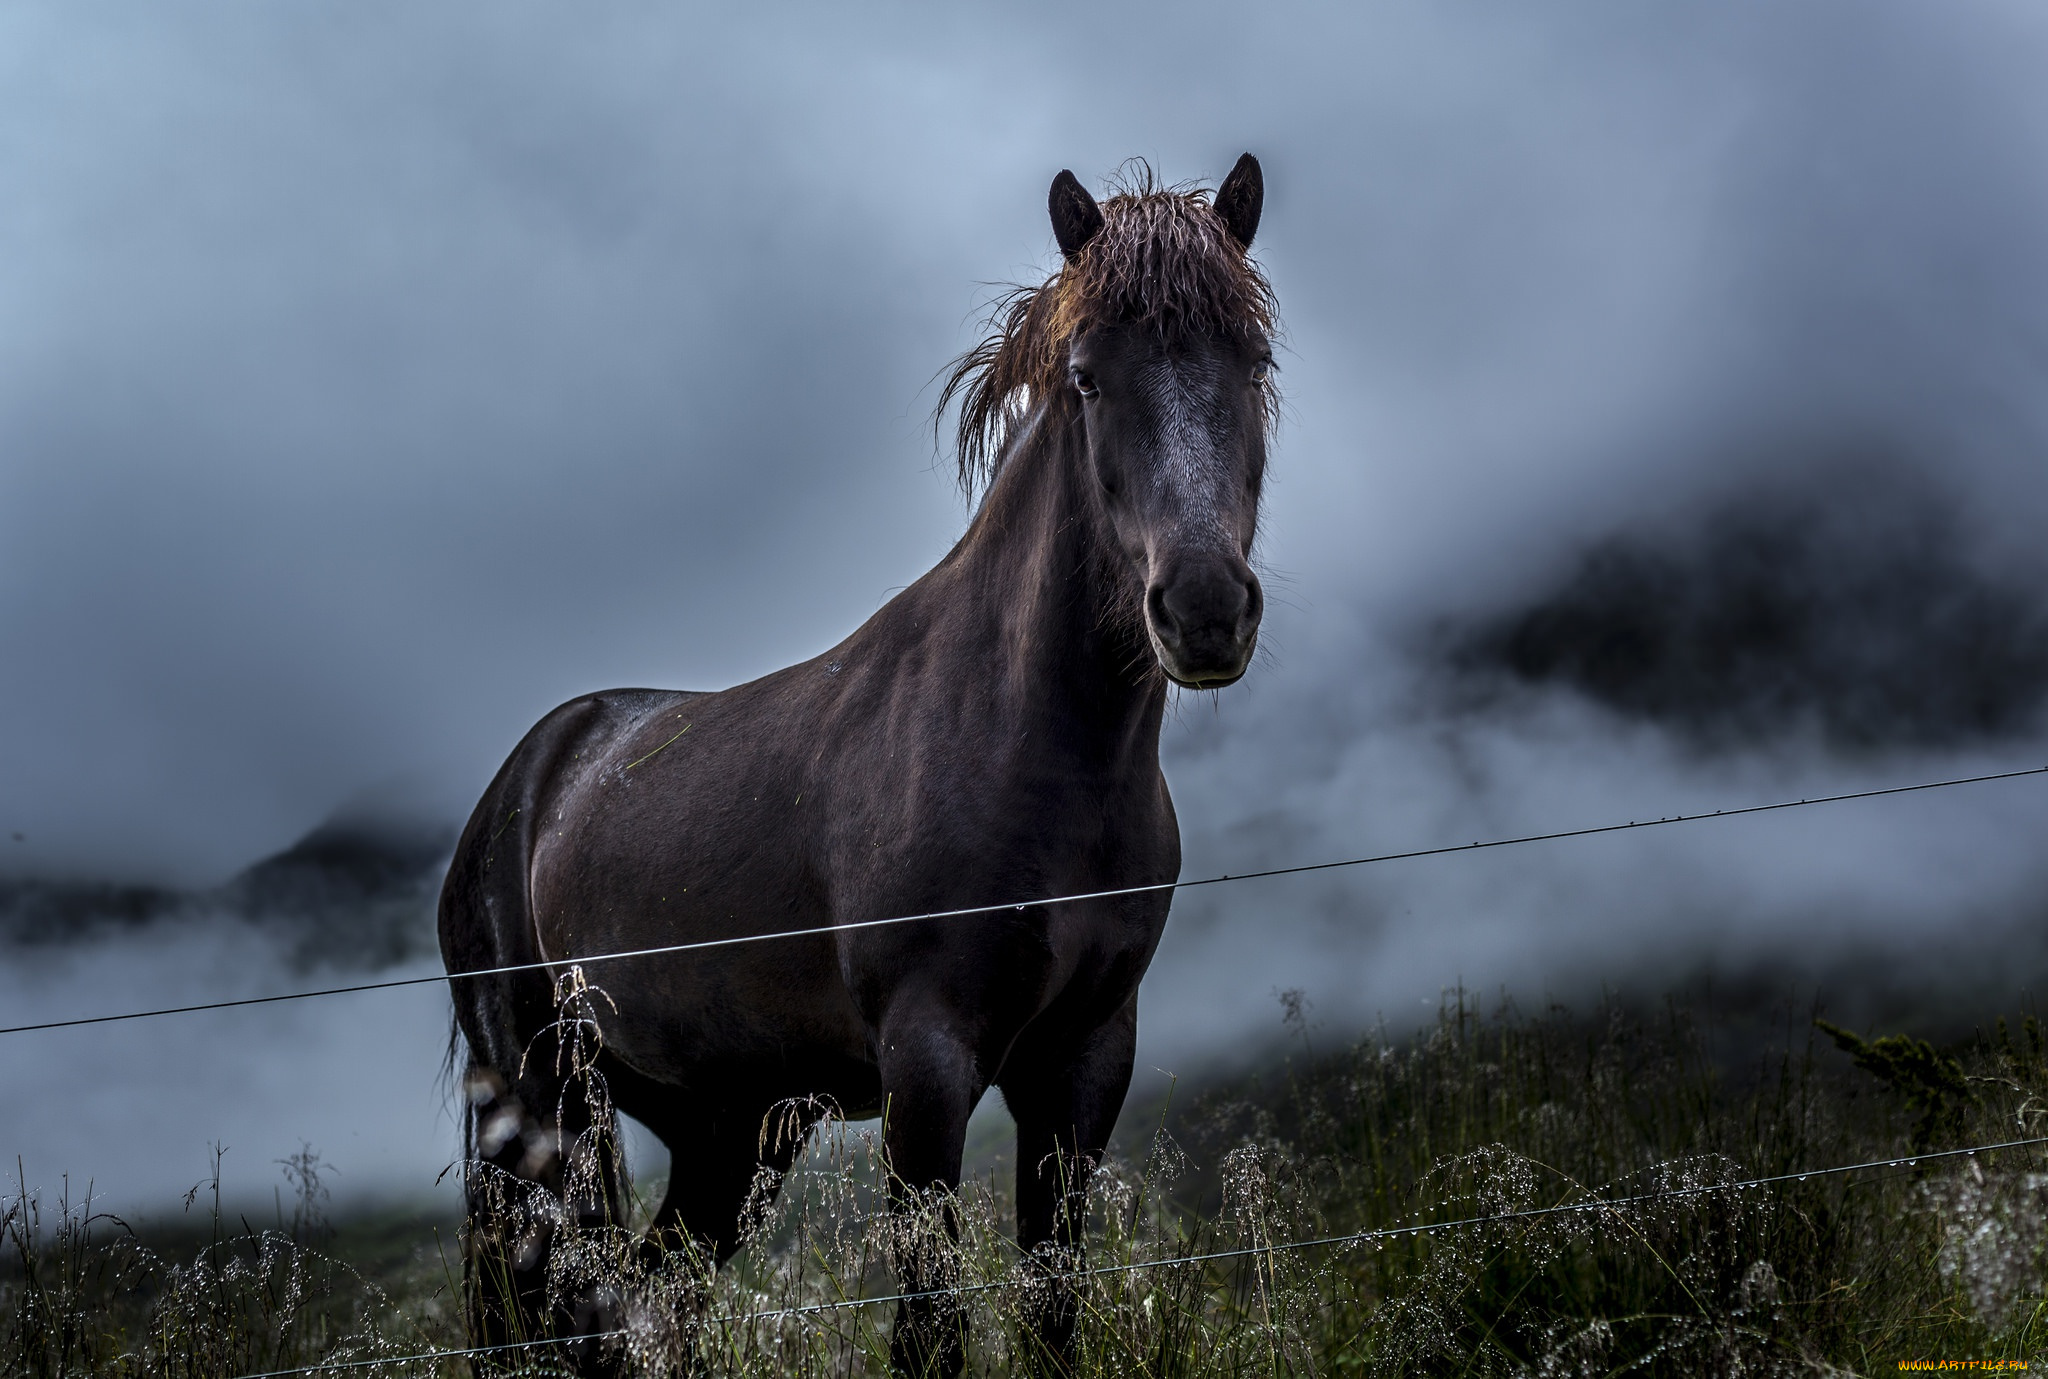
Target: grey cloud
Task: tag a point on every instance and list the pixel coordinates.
(1842, 601)
(373, 378)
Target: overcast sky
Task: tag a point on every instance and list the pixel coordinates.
(374, 377)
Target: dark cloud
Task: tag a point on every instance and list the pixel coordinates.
(1851, 604)
(356, 893)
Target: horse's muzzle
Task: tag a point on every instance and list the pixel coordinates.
(1204, 623)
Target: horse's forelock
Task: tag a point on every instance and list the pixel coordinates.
(1163, 262)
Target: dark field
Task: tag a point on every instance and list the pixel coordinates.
(1483, 1115)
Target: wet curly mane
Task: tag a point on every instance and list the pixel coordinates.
(1163, 261)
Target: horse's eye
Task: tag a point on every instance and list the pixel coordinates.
(1262, 370)
(1084, 383)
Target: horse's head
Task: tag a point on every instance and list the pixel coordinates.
(1171, 370)
(1152, 349)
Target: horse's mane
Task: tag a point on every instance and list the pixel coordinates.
(1163, 261)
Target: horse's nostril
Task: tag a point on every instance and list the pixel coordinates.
(1155, 607)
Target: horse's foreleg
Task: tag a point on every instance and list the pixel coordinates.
(931, 1081)
(1065, 1098)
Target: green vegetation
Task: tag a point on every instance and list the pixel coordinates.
(1479, 1120)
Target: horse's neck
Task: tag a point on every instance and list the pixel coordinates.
(1061, 598)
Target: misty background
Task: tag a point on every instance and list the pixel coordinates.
(1665, 431)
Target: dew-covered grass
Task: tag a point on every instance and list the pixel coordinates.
(1487, 1119)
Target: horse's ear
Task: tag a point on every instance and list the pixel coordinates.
(1240, 199)
(1075, 216)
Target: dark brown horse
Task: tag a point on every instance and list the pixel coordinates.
(991, 735)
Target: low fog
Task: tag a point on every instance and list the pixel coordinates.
(1664, 432)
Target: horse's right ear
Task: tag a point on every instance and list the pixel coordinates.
(1240, 199)
(1075, 217)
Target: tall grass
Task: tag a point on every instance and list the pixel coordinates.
(1482, 1115)
(1508, 1113)
(81, 1293)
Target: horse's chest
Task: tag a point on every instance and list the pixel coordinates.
(997, 950)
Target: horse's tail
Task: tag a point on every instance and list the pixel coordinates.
(517, 1124)
(486, 926)
(455, 1077)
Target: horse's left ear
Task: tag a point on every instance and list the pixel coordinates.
(1240, 199)
(1076, 218)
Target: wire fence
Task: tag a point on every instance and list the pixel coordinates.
(704, 945)
(1595, 1204)
(1076, 1275)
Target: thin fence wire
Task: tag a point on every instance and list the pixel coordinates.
(1596, 1204)
(701, 945)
